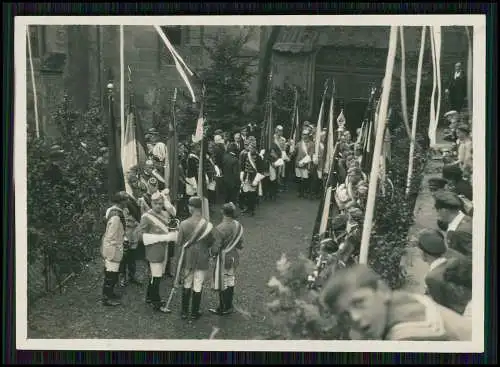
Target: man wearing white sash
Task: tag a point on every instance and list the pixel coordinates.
(196, 238)
(156, 235)
(251, 176)
(281, 142)
(303, 152)
(227, 259)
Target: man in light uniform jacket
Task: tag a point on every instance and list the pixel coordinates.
(112, 247)
(155, 232)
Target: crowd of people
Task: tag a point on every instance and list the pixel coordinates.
(445, 311)
(241, 171)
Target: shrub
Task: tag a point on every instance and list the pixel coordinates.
(295, 310)
(67, 197)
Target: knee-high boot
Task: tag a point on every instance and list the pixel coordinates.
(195, 307)
(228, 300)
(185, 300)
(222, 304)
(109, 298)
(155, 293)
(149, 291)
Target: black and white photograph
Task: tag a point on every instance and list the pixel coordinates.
(239, 183)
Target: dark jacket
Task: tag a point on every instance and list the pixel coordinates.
(231, 169)
(219, 152)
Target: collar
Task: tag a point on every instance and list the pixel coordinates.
(439, 261)
(456, 222)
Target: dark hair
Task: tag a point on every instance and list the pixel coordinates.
(120, 197)
(459, 271)
(229, 210)
(346, 279)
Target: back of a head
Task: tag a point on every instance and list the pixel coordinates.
(459, 271)
(452, 173)
(120, 197)
(229, 210)
(347, 279)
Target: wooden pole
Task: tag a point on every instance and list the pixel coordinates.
(379, 140)
(469, 73)
(415, 111)
(32, 71)
(122, 87)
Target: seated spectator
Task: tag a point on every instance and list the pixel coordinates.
(453, 175)
(450, 215)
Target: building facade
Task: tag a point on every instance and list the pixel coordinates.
(77, 60)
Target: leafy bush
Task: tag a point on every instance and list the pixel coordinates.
(67, 196)
(283, 103)
(296, 312)
(395, 214)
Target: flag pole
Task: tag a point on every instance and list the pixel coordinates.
(469, 72)
(32, 71)
(415, 110)
(122, 86)
(384, 104)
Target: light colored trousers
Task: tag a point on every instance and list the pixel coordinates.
(194, 279)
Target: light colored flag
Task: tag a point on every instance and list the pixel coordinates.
(132, 151)
(180, 65)
(330, 137)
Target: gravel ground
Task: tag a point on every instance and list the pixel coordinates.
(76, 312)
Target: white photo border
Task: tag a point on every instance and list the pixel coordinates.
(478, 22)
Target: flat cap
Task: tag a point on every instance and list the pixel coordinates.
(431, 241)
(437, 182)
(153, 131)
(195, 202)
(447, 200)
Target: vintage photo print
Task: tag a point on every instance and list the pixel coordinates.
(243, 183)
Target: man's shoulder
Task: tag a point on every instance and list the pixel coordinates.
(416, 317)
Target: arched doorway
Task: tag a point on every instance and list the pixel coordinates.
(355, 71)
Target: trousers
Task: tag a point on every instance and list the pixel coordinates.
(194, 279)
(111, 266)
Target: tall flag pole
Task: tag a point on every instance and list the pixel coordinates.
(133, 152)
(319, 125)
(122, 85)
(295, 118)
(172, 171)
(267, 137)
(435, 33)
(379, 140)
(180, 65)
(330, 137)
(415, 111)
(115, 173)
(469, 71)
(404, 101)
(202, 181)
(33, 83)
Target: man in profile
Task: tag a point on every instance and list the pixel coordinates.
(376, 312)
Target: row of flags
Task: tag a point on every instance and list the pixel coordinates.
(133, 151)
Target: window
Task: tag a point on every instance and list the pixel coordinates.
(175, 36)
(37, 40)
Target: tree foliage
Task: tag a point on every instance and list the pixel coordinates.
(227, 80)
(67, 196)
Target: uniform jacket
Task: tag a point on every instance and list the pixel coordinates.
(112, 240)
(247, 170)
(226, 230)
(154, 252)
(416, 317)
(192, 166)
(300, 152)
(197, 255)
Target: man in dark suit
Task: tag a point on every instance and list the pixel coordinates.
(449, 210)
(231, 169)
(457, 88)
